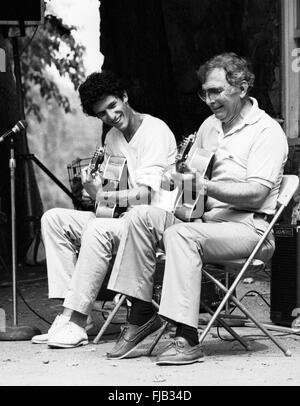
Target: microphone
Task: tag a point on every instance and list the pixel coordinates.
(21, 125)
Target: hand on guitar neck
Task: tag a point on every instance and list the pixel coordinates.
(189, 174)
(90, 175)
(96, 160)
(192, 185)
(106, 186)
(182, 156)
(172, 178)
(180, 166)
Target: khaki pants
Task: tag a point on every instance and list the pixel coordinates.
(78, 280)
(223, 234)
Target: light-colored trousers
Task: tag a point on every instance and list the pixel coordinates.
(223, 234)
(78, 280)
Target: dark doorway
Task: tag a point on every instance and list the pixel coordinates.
(158, 45)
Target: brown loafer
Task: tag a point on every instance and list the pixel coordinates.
(131, 335)
(180, 352)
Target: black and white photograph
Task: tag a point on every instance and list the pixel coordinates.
(150, 196)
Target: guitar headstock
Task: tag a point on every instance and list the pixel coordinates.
(184, 149)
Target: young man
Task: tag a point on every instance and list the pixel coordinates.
(250, 152)
(149, 146)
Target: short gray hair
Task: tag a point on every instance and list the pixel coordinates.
(238, 69)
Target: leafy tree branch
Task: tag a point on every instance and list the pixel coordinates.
(52, 44)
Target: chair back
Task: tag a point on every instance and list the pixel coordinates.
(288, 187)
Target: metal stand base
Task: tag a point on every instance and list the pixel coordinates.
(19, 333)
(15, 333)
(275, 327)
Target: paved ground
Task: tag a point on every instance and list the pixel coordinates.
(226, 363)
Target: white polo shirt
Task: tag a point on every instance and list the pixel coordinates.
(151, 149)
(255, 150)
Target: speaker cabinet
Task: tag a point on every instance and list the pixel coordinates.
(285, 275)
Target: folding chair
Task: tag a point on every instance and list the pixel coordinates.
(288, 188)
(120, 299)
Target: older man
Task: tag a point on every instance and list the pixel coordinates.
(250, 151)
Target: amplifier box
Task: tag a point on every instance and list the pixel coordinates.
(285, 275)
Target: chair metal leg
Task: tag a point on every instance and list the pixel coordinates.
(109, 319)
(157, 338)
(228, 294)
(227, 327)
(286, 351)
(230, 291)
(112, 315)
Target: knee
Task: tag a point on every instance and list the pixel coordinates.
(138, 214)
(95, 236)
(177, 231)
(92, 229)
(97, 232)
(49, 217)
(267, 250)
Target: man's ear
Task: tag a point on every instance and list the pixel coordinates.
(244, 89)
(125, 97)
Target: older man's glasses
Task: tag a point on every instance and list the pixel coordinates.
(211, 94)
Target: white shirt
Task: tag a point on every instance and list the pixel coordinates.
(151, 149)
(254, 150)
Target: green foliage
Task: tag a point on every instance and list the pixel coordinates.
(51, 44)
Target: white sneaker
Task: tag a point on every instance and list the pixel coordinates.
(58, 322)
(69, 336)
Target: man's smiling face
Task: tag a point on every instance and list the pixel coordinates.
(222, 98)
(113, 111)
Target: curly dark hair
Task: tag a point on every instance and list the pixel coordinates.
(97, 86)
(238, 69)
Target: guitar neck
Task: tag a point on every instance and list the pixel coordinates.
(185, 150)
(97, 159)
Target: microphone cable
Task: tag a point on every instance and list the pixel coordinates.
(31, 309)
(9, 284)
(29, 41)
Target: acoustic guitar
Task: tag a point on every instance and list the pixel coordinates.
(190, 204)
(82, 200)
(115, 178)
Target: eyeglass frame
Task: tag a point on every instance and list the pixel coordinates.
(208, 93)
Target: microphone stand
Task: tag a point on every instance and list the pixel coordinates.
(12, 168)
(16, 332)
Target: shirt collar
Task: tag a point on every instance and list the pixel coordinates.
(254, 114)
(252, 117)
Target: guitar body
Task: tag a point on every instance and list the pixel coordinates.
(191, 205)
(114, 178)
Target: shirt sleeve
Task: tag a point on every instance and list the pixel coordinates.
(207, 135)
(158, 151)
(267, 157)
